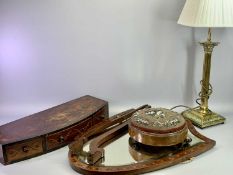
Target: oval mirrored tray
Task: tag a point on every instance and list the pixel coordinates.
(108, 149)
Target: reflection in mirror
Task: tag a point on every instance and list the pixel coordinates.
(125, 151)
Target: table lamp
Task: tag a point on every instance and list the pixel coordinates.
(206, 13)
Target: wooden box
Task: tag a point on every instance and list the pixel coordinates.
(50, 129)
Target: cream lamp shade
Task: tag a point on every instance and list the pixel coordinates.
(207, 13)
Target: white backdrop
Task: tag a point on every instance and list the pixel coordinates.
(128, 52)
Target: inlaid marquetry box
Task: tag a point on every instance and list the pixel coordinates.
(50, 129)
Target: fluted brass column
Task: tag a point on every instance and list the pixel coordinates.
(202, 116)
(206, 89)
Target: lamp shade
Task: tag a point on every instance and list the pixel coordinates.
(207, 13)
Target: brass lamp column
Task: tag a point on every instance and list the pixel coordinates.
(206, 89)
(202, 116)
(207, 14)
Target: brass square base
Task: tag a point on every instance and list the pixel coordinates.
(203, 120)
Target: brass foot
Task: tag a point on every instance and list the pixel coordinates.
(202, 120)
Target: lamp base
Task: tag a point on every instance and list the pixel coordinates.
(202, 120)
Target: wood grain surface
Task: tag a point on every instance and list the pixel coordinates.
(55, 127)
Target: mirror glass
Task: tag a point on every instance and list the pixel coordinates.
(125, 151)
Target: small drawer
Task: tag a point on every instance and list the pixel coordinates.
(24, 150)
(63, 137)
(66, 136)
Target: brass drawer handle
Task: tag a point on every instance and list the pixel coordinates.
(61, 139)
(25, 149)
